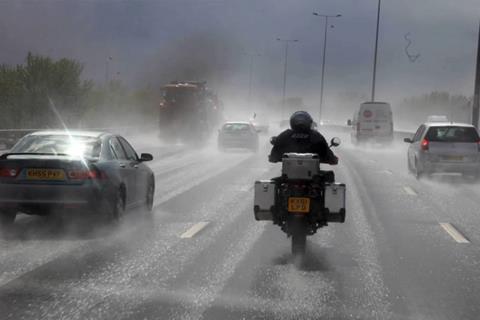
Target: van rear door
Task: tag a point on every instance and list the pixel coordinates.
(375, 119)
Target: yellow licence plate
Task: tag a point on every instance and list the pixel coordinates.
(45, 174)
(300, 205)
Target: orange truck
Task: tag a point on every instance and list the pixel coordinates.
(189, 112)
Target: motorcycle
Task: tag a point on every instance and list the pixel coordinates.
(302, 200)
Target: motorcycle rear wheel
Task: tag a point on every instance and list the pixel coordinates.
(299, 244)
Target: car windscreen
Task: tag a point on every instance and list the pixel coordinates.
(236, 127)
(88, 147)
(452, 134)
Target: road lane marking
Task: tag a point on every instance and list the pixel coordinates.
(385, 172)
(408, 190)
(194, 230)
(453, 232)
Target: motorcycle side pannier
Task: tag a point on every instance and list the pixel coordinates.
(301, 166)
(335, 202)
(264, 200)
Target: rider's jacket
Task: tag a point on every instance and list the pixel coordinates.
(301, 142)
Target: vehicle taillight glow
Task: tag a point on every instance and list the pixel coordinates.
(9, 172)
(424, 144)
(85, 174)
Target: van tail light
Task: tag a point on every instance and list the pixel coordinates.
(6, 172)
(84, 174)
(424, 145)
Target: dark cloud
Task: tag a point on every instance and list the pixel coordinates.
(142, 36)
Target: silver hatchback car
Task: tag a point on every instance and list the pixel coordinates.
(444, 147)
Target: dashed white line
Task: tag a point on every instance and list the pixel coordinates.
(408, 190)
(453, 232)
(385, 172)
(194, 230)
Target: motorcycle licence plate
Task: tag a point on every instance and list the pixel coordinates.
(299, 205)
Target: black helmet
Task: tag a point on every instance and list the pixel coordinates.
(301, 121)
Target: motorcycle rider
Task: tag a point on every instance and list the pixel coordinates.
(301, 138)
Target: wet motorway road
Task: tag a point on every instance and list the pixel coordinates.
(203, 256)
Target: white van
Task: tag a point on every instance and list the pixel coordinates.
(372, 122)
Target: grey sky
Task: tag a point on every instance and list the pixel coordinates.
(135, 33)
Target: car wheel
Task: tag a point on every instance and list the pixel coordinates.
(7, 217)
(418, 170)
(409, 166)
(117, 207)
(150, 197)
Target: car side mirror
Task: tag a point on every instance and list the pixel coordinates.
(273, 140)
(408, 140)
(146, 157)
(349, 122)
(335, 142)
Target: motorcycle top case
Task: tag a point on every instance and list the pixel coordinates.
(301, 166)
(264, 200)
(335, 202)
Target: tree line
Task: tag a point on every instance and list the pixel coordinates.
(48, 93)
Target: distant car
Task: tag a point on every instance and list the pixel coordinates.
(444, 147)
(373, 122)
(437, 118)
(238, 135)
(91, 172)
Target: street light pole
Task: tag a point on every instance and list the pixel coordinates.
(476, 93)
(326, 16)
(107, 70)
(286, 41)
(375, 54)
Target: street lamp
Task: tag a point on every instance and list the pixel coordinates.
(326, 16)
(375, 54)
(107, 70)
(287, 42)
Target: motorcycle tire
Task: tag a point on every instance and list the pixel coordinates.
(299, 244)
